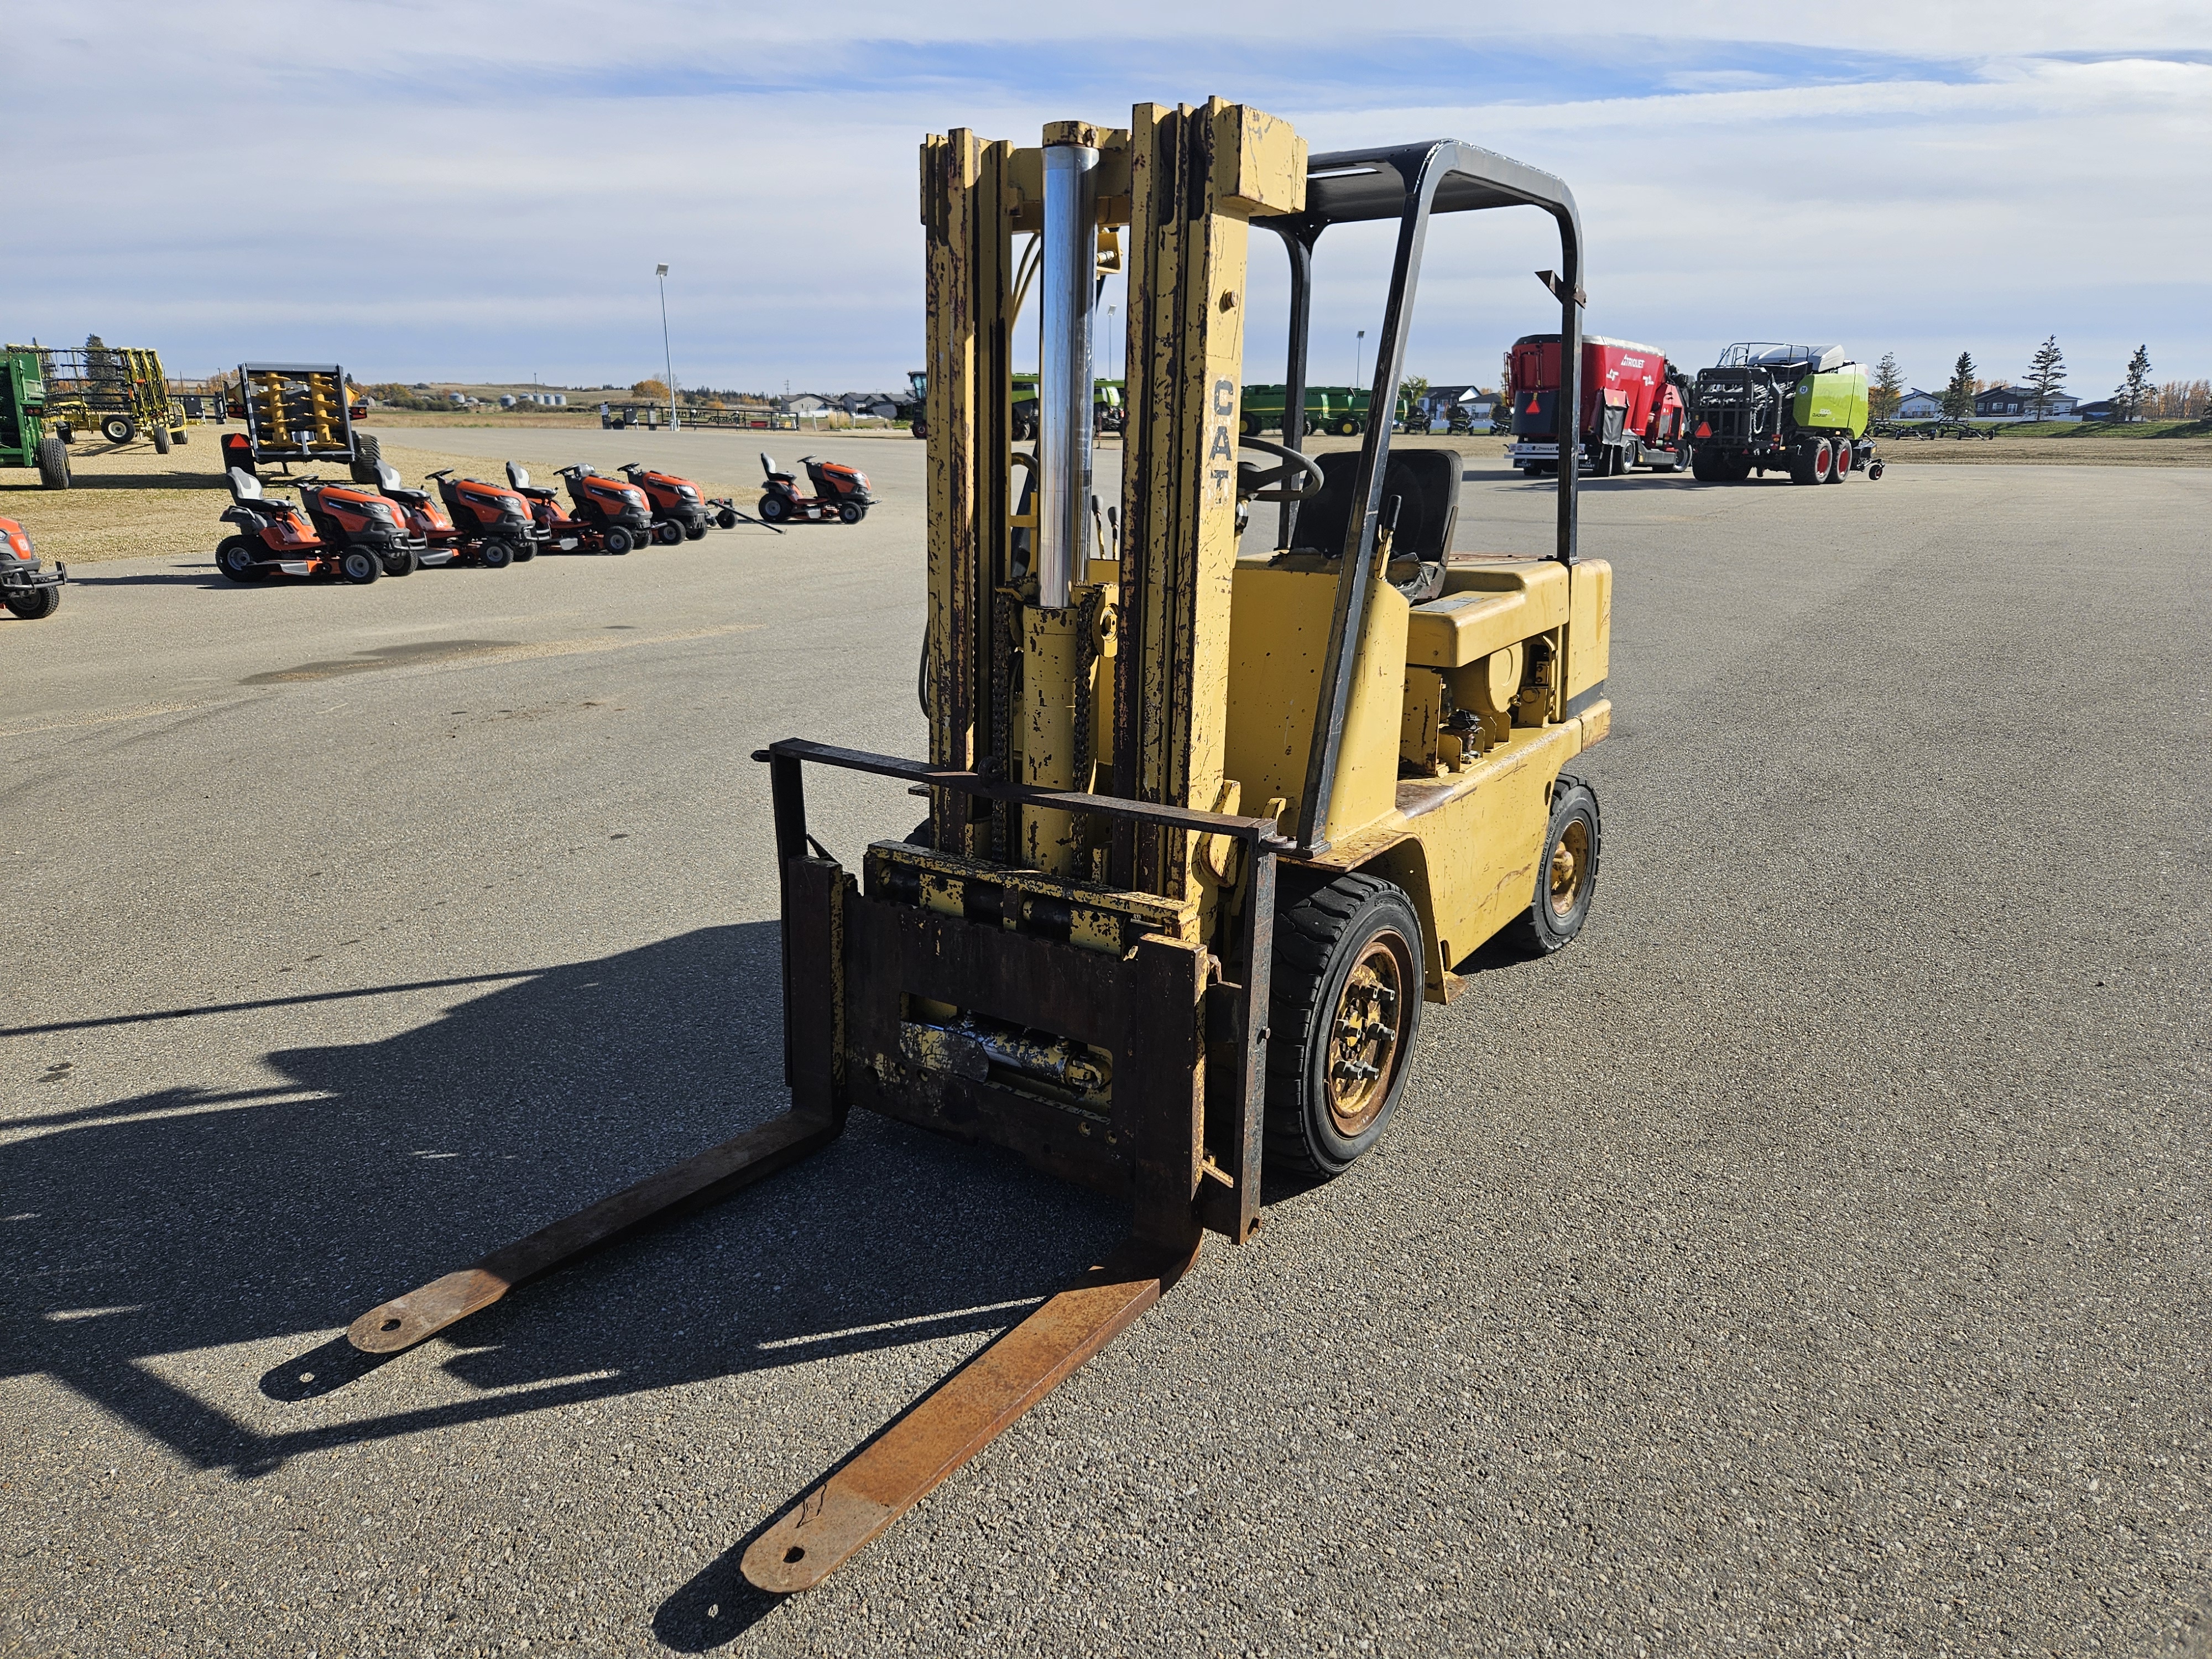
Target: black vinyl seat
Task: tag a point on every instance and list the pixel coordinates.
(1425, 482)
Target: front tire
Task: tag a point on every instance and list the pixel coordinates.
(1343, 1015)
(851, 512)
(1841, 468)
(667, 534)
(404, 562)
(616, 540)
(695, 532)
(1566, 875)
(359, 566)
(495, 552)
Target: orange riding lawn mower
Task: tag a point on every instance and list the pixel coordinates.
(609, 516)
(26, 588)
(348, 531)
(841, 493)
(680, 513)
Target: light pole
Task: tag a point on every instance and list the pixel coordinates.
(667, 357)
(1358, 350)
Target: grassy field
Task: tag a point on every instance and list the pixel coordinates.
(126, 501)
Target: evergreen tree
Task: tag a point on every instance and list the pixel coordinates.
(2046, 373)
(1959, 392)
(100, 364)
(2133, 392)
(1888, 388)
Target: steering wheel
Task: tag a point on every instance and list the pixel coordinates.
(1275, 485)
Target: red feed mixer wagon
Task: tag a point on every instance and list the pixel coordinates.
(1635, 407)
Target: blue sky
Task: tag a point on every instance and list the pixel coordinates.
(476, 190)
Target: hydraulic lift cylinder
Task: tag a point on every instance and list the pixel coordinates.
(1069, 260)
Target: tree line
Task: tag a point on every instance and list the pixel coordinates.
(2137, 397)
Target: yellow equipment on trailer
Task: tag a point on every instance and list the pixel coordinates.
(1207, 826)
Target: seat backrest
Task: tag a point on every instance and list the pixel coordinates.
(768, 464)
(1426, 483)
(517, 477)
(244, 486)
(387, 476)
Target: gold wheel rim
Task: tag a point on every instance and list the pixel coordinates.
(1570, 867)
(1364, 1034)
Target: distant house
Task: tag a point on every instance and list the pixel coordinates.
(2017, 403)
(1918, 406)
(2103, 410)
(805, 403)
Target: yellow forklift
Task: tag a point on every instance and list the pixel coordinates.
(1208, 824)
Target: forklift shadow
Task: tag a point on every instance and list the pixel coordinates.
(207, 1219)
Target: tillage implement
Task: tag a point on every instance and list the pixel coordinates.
(1212, 812)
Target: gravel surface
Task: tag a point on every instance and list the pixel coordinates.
(1811, 1259)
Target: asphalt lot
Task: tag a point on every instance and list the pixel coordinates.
(1810, 1260)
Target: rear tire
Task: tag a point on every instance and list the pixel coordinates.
(772, 509)
(1343, 1015)
(160, 441)
(359, 565)
(1801, 466)
(1840, 463)
(496, 553)
(1566, 875)
(53, 462)
(37, 603)
(367, 453)
(233, 557)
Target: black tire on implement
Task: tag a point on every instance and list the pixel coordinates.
(118, 429)
(53, 462)
(33, 604)
(160, 441)
(367, 453)
(1566, 874)
(1348, 959)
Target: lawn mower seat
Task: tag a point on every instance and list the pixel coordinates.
(244, 486)
(518, 480)
(767, 466)
(1425, 482)
(387, 484)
